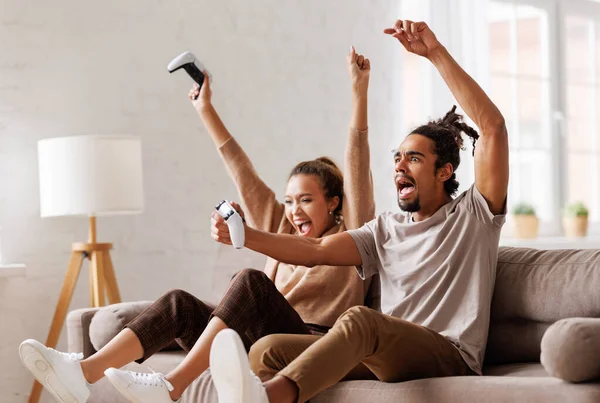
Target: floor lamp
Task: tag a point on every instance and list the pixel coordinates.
(88, 176)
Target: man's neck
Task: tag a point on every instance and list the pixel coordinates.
(424, 213)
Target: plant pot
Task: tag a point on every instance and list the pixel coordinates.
(575, 227)
(526, 226)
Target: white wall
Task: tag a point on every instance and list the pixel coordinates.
(71, 67)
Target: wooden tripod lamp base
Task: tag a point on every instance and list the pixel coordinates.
(102, 281)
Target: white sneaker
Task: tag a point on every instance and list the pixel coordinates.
(230, 370)
(60, 373)
(139, 387)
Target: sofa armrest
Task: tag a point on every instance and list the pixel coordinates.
(571, 349)
(111, 319)
(78, 331)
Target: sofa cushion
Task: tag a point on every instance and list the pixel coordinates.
(111, 319)
(521, 370)
(489, 389)
(503, 383)
(571, 349)
(535, 288)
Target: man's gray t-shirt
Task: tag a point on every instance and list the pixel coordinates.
(439, 272)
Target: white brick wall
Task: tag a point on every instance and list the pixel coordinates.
(75, 67)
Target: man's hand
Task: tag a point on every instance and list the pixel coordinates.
(219, 229)
(359, 69)
(201, 98)
(416, 37)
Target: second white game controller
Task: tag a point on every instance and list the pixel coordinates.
(235, 222)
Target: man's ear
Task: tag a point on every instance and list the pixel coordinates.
(445, 172)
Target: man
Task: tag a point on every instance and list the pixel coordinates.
(436, 261)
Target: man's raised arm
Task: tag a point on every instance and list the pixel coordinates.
(491, 152)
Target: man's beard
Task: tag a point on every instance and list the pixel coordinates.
(408, 206)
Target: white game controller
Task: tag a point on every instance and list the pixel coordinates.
(191, 65)
(235, 222)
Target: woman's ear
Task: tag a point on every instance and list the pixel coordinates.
(334, 203)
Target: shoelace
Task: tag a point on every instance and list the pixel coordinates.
(153, 379)
(68, 356)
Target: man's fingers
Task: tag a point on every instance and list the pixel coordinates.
(403, 40)
(367, 64)
(406, 26)
(418, 28)
(389, 31)
(421, 26)
(398, 26)
(413, 29)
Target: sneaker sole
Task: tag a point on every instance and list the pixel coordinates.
(122, 389)
(227, 366)
(43, 371)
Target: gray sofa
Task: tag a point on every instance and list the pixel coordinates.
(543, 346)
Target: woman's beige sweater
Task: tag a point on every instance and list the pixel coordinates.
(322, 293)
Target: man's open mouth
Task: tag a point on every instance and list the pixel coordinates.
(405, 187)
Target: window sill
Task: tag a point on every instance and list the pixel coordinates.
(12, 270)
(589, 242)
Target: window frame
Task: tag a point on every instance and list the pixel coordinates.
(557, 11)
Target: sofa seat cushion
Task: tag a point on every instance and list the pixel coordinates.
(510, 383)
(521, 370)
(492, 389)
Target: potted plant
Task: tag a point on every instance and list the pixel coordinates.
(526, 222)
(575, 220)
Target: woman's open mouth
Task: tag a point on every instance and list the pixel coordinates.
(304, 227)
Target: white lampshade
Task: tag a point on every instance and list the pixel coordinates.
(90, 175)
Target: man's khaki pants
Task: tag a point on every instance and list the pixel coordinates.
(363, 344)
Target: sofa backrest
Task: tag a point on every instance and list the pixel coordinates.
(535, 288)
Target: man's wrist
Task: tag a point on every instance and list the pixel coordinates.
(438, 53)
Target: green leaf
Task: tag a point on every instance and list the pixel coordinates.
(523, 209)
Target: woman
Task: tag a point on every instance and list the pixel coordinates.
(280, 299)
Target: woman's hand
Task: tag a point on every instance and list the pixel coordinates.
(201, 98)
(416, 37)
(219, 230)
(359, 69)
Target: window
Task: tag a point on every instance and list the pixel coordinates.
(544, 61)
(582, 80)
(520, 86)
